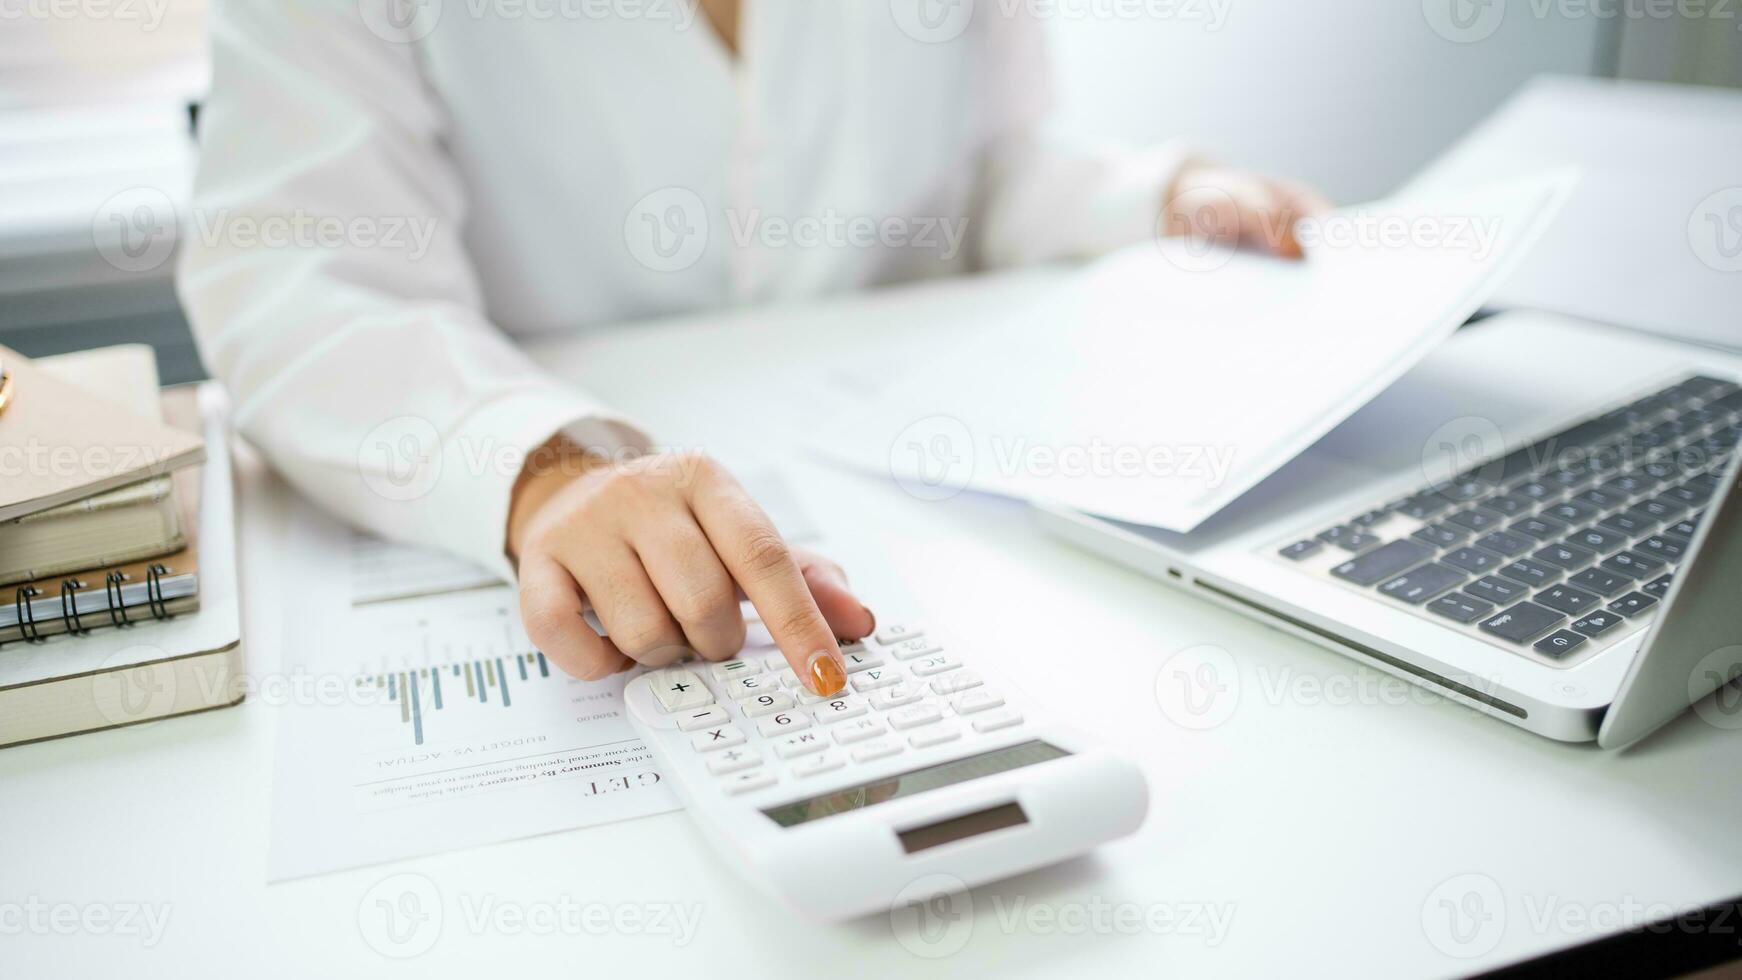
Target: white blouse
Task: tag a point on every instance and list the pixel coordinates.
(391, 189)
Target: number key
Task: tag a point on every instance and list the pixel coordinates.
(748, 687)
(765, 704)
(861, 660)
(840, 709)
(786, 721)
(871, 680)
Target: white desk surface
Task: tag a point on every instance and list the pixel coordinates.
(1324, 817)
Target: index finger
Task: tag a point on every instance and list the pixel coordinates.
(759, 560)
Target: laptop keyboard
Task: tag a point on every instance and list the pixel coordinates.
(1556, 547)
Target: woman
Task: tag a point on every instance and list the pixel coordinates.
(453, 174)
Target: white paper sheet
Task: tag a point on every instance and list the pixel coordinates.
(429, 723)
(1168, 379)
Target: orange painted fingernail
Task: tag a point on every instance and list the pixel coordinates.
(827, 675)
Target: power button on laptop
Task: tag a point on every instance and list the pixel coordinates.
(1569, 689)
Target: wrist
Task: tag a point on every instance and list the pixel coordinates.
(546, 471)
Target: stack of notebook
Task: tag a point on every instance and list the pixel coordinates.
(116, 537)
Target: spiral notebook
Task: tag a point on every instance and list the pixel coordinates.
(116, 596)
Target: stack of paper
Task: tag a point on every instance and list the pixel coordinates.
(1170, 378)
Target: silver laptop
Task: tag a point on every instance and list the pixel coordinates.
(1540, 521)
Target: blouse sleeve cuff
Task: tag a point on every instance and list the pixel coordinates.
(482, 460)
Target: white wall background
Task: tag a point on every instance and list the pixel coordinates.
(1352, 95)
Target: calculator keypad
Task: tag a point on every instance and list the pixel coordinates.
(905, 691)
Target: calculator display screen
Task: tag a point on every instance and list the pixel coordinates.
(913, 783)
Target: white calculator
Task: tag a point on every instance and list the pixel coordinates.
(923, 766)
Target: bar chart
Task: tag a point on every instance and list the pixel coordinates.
(417, 691)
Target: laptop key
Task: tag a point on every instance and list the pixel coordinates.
(1537, 490)
(1423, 506)
(1559, 643)
(1495, 590)
(1301, 549)
(1658, 587)
(1598, 539)
(1632, 604)
(1572, 512)
(1540, 528)
(1372, 517)
(1531, 572)
(1383, 562)
(1600, 498)
(1522, 623)
(1506, 543)
(1628, 485)
(1662, 546)
(1510, 504)
(1332, 535)
(1660, 469)
(1440, 535)
(1661, 508)
(1601, 581)
(1684, 528)
(1357, 542)
(1418, 585)
(1628, 522)
(1571, 477)
(1476, 519)
(1463, 489)
(1565, 556)
(1567, 599)
(1460, 607)
(1689, 494)
(1632, 563)
(1473, 560)
(1597, 623)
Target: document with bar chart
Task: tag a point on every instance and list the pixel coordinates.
(416, 717)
